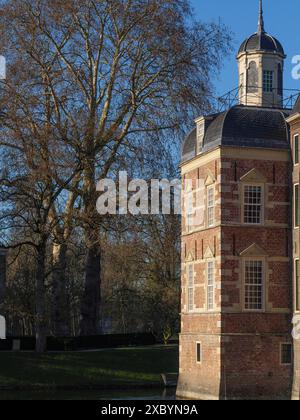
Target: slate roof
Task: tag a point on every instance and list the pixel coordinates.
(262, 42)
(242, 126)
(189, 146)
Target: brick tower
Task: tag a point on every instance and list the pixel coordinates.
(236, 291)
(294, 121)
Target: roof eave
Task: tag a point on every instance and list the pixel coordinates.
(253, 52)
(293, 117)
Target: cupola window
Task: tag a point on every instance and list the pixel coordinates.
(252, 79)
(268, 81)
(296, 149)
(280, 80)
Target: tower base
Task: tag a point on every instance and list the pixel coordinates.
(235, 367)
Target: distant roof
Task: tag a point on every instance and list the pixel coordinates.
(296, 108)
(242, 126)
(262, 42)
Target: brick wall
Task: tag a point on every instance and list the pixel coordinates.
(295, 129)
(241, 350)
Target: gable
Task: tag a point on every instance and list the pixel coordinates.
(210, 180)
(190, 257)
(254, 176)
(254, 251)
(208, 253)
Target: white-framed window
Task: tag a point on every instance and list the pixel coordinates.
(210, 285)
(296, 206)
(210, 206)
(254, 285)
(296, 149)
(200, 134)
(190, 211)
(198, 353)
(253, 204)
(190, 287)
(286, 354)
(268, 78)
(297, 285)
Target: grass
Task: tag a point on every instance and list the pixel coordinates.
(108, 368)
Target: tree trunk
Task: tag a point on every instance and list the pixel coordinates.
(90, 305)
(2, 275)
(60, 306)
(41, 323)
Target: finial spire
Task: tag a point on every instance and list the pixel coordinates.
(261, 24)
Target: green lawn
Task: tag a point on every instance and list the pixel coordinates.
(119, 367)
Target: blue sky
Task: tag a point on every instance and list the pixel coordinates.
(281, 21)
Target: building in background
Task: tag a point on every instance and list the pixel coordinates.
(238, 296)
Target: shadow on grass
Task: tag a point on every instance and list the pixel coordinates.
(140, 366)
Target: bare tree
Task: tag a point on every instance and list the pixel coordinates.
(109, 71)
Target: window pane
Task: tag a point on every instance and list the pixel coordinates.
(254, 285)
(286, 354)
(280, 80)
(296, 150)
(191, 299)
(200, 135)
(190, 210)
(210, 285)
(191, 288)
(210, 207)
(191, 276)
(199, 358)
(297, 275)
(296, 216)
(252, 204)
(268, 81)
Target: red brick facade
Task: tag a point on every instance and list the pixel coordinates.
(294, 122)
(241, 349)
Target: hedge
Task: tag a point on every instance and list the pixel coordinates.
(81, 343)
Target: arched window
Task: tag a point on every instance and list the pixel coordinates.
(280, 80)
(242, 85)
(252, 78)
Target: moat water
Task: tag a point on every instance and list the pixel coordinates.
(147, 395)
